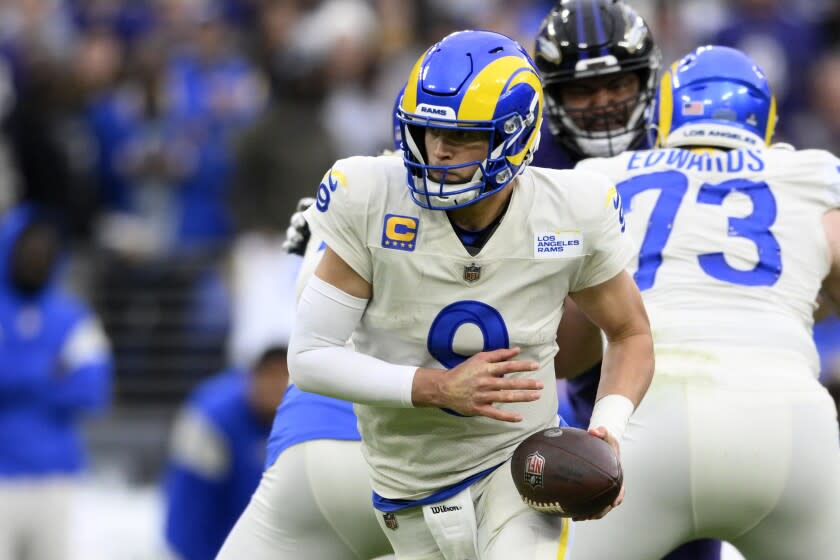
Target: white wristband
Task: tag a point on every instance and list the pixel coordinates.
(612, 412)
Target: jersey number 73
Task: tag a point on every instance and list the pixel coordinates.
(672, 187)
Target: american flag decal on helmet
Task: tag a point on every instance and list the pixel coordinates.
(534, 467)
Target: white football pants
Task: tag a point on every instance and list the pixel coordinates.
(753, 460)
(313, 503)
(487, 521)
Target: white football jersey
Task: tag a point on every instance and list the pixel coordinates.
(434, 305)
(727, 239)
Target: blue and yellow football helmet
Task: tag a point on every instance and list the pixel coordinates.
(715, 96)
(478, 81)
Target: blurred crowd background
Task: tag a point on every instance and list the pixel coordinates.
(174, 138)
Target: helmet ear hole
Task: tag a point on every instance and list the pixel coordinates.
(417, 141)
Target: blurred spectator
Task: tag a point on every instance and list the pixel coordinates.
(829, 24)
(52, 146)
(127, 20)
(262, 290)
(36, 29)
(54, 365)
(782, 43)
(142, 157)
(820, 128)
(213, 92)
(9, 177)
(356, 107)
(283, 156)
(218, 452)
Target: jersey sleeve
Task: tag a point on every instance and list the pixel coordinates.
(339, 217)
(609, 248)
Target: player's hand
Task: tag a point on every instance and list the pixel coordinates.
(472, 387)
(297, 234)
(605, 435)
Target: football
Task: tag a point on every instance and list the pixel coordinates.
(567, 472)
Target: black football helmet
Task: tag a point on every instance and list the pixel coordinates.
(582, 39)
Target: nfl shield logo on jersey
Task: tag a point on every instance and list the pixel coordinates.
(391, 521)
(472, 272)
(534, 467)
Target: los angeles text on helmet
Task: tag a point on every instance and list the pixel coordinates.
(732, 135)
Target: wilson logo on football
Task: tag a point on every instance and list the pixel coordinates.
(534, 467)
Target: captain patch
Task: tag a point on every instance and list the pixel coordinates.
(399, 232)
(558, 245)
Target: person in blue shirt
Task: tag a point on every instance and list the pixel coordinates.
(218, 451)
(55, 365)
(599, 64)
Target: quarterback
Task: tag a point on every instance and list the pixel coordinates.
(451, 291)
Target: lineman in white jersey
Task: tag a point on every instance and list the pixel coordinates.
(736, 439)
(452, 291)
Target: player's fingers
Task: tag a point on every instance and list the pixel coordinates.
(604, 434)
(598, 515)
(499, 369)
(511, 396)
(496, 414)
(500, 354)
(620, 498)
(598, 431)
(510, 384)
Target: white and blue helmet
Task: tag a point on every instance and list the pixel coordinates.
(715, 96)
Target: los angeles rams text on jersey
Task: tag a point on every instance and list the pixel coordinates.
(435, 304)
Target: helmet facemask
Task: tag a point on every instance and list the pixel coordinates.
(605, 130)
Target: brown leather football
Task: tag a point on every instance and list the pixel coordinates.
(567, 472)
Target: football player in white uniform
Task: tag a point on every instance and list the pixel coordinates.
(452, 290)
(736, 439)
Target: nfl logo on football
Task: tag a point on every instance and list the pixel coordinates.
(472, 272)
(534, 467)
(391, 521)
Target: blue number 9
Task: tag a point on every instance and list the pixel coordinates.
(451, 318)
